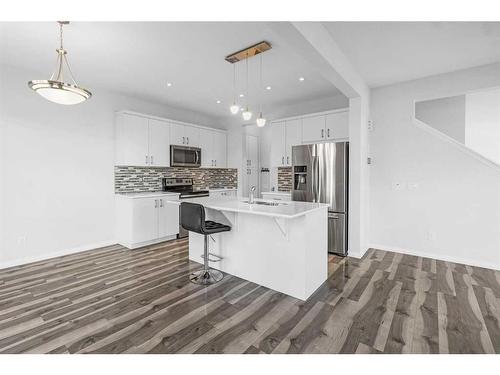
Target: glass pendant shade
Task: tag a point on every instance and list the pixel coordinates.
(234, 108)
(55, 89)
(247, 115)
(60, 92)
(261, 121)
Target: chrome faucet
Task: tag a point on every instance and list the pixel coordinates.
(251, 197)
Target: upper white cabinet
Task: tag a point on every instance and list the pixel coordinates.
(141, 141)
(219, 149)
(184, 135)
(313, 129)
(278, 140)
(132, 140)
(145, 141)
(293, 138)
(213, 148)
(159, 142)
(284, 135)
(337, 125)
(325, 127)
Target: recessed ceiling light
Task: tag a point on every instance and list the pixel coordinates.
(301, 79)
(268, 88)
(242, 95)
(218, 101)
(242, 109)
(169, 84)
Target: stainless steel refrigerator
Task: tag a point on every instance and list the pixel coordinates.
(320, 174)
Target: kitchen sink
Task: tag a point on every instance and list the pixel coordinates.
(265, 203)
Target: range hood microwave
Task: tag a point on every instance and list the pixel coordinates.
(184, 156)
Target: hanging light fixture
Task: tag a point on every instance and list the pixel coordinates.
(235, 108)
(261, 121)
(55, 89)
(247, 115)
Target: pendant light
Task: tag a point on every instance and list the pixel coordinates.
(54, 88)
(247, 115)
(235, 108)
(261, 121)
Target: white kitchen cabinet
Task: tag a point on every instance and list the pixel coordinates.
(337, 125)
(213, 148)
(192, 136)
(252, 151)
(278, 141)
(293, 138)
(168, 219)
(145, 219)
(220, 149)
(141, 221)
(313, 129)
(177, 136)
(284, 135)
(159, 143)
(207, 148)
(185, 135)
(132, 140)
(141, 141)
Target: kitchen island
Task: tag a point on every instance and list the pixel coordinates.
(280, 245)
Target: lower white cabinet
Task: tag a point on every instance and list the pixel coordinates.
(142, 221)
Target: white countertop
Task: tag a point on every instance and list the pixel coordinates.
(223, 189)
(146, 194)
(285, 210)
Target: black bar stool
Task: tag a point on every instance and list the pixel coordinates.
(193, 219)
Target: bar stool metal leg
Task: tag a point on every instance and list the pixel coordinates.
(207, 275)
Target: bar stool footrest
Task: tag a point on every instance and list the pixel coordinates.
(217, 257)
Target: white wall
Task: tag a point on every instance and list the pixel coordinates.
(482, 123)
(447, 203)
(56, 169)
(444, 114)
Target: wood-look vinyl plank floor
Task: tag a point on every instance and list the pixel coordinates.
(115, 300)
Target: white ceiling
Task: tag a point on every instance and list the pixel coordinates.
(390, 52)
(139, 58)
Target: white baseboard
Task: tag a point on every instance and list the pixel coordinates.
(78, 249)
(446, 258)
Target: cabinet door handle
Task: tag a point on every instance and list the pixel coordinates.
(147, 160)
(215, 162)
(322, 133)
(187, 139)
(156, 203)
(288, 160)
(328, 133)
(152, 162)
(161, 202)
(282, 160)
(183, 140)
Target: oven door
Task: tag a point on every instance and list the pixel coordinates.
(183, 156)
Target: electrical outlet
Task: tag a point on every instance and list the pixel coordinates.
(370, 125)
(398, 186)
(413, 186)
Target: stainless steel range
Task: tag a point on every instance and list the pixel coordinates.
(184, 186)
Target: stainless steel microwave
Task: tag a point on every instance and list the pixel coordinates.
(184, 156)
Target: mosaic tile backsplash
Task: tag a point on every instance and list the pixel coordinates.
(284, 178)
(138, 179)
